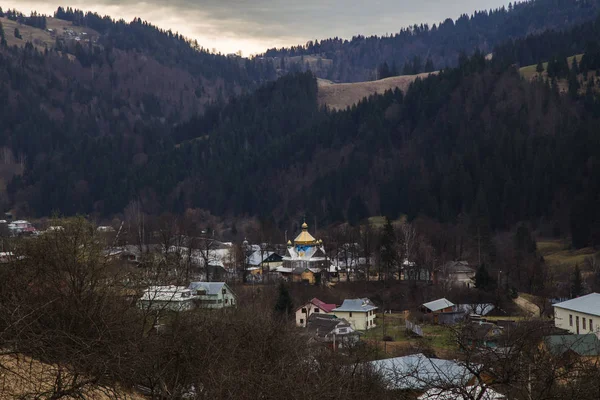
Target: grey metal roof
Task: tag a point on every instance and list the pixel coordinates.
(585, 345)
(356, 305)
(212, 288)
(588, 304)
(419, 372)
(438, 304)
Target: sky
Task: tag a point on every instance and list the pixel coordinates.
(253, 26)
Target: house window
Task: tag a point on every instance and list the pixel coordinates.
(570, 320)
(343, 330)
(316, 310)
(350, 315)
(224, 291)
(583, 322)
(301, 321)
(304, 311)
(591, 323)
(226, 301)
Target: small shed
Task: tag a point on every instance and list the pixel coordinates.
(437, 307)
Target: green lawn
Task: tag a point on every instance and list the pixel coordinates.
(437, 336)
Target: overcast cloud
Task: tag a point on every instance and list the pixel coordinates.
(255, 25)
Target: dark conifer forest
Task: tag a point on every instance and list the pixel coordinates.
(148, 115)
(413, 47)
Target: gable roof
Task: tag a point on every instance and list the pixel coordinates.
(258, 257)
(211, 288)
(356, 305)
(323, 325)
(420, 372)
(458, 266)
(588, 304)
(322, 305)
(584, 345)
(438, 304)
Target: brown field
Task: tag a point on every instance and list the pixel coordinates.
(339, 96)
(40, 38)
(560, 257)
(22, 377)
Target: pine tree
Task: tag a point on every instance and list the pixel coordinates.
(576, 283)
(483, 280)
(429, 66)
(2, 37)
(388, 256)
(284, 305)
(18, 34)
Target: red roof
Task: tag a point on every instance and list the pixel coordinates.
(323, 306)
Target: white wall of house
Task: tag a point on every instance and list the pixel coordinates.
(576, 322)
(161, 305)
(225, 298)
(462, 278)
(306, 311)
(360, 320)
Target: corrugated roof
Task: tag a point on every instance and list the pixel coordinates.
(211, 288)
(258, 257)
(438, 304)
(419, 372)
(356, 305)
(588, 304)
(322, 305)
(470, 392)
(584, 345)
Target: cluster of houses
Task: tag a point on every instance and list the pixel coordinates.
(337, 326)
(213, 295)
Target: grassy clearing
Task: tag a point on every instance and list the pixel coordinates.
(529, 72)
(559, 256)
(439, 338)
(40, 38)
(341, 95)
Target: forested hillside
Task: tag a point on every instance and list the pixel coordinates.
(414, 47)
(90, 128)
(476, 140)
(108, 100)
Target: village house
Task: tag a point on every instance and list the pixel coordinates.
(437, 307)
(314, 306)
(213, 294)
(360, 313)
(266, 261)
(483, 334)
(580, 315)
(585, 347)
(335, 332)
(457, 273)
(168, 298)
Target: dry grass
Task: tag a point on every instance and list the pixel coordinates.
(23, 377)
(557, 254)
(40, 38)
(339, 96)
(529, 72)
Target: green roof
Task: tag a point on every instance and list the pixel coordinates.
(584, 345)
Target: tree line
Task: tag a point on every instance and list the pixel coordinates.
(357, 59)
